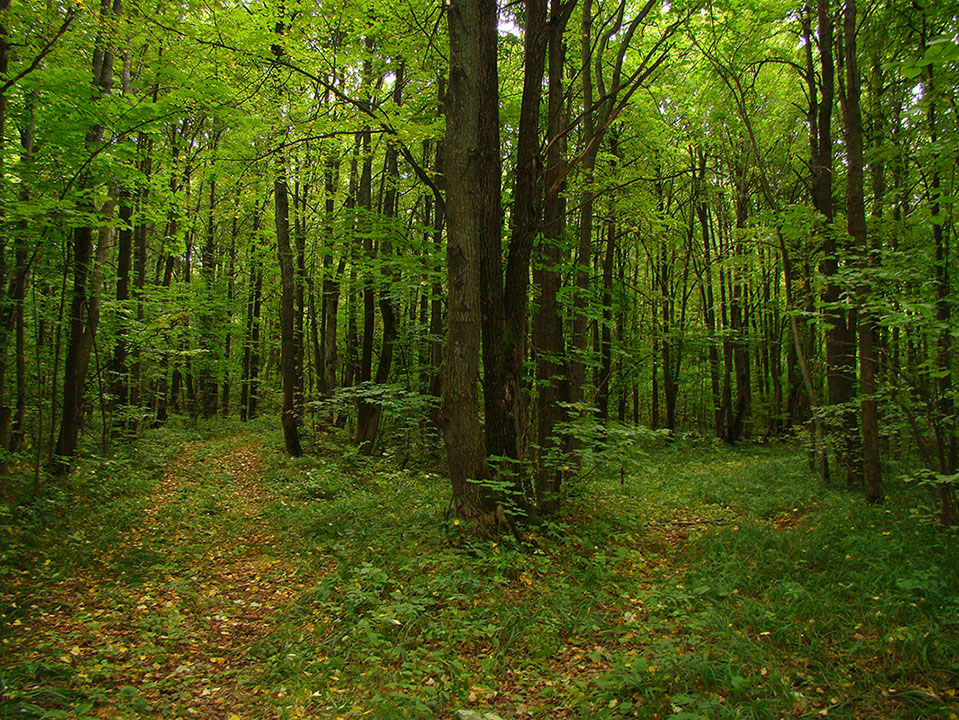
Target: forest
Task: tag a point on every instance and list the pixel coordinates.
(479, 359)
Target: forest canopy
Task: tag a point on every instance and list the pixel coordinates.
(537, 230)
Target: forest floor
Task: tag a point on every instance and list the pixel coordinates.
(211, 577)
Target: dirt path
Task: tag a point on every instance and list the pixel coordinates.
(163, 624)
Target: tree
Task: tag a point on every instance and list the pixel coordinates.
(473, 217)
(84, 307)
(856, 226)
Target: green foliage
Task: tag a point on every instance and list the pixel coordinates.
(706, 582)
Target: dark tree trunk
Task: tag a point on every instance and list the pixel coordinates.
(165, 391)
(738, 419)
(773, 336)
(473, 213)
(351, 368)
(606, 337)
(249, 390)
(504, 312)
(856, 226)
(709, 309)
(330, 297)
(579, 334)
(840, 321)
(245, 363)
(225, 385)
(945, 426)
(364, 203)
(118, 367)
(84, 314)
(289, 418)
(140, 230)
(300, 193)
(548, 341)
(436, 297)
(209, 337)
(371, 412)
(12, 428)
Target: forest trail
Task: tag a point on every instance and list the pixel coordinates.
(166, 619)
(218, 578)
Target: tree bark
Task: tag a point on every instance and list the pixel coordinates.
(505, 302)
(548, 341)
(856, 226)
(840, 321)
(473, 213)
(84, 312)
(945, 425)
(371, 412)
(209, 337)
(289, 418)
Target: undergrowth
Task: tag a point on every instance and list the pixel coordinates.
(708, 583)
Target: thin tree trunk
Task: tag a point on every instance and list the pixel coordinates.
(709, 309)
(840, 321)
(209, 337)
(300, 193)
(606, 337)
(83, 310)
(247, 339)
(548, 341)
(289, 418)
(225, 385)
(118, 368)
(371, 412)
(856, 226)
(945, 426)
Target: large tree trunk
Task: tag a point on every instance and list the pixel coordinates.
(473, 213)
(580, 319)
(504, 312)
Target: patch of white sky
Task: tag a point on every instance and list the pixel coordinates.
(506, 26)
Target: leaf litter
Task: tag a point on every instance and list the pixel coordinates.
(161, 624)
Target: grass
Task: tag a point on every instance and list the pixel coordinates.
(707, 583)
